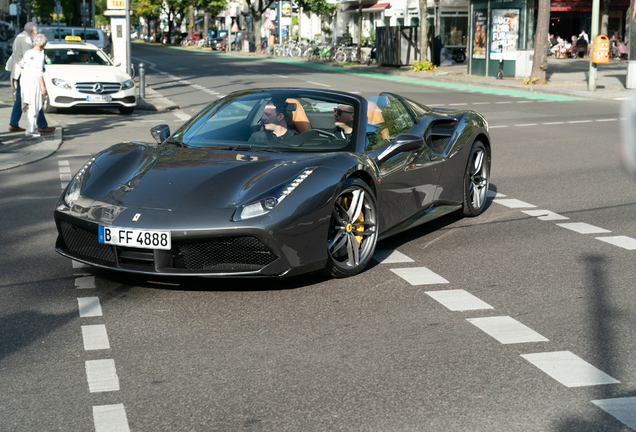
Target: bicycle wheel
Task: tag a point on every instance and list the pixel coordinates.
(295, 52)
(279, 51)
(341, 57)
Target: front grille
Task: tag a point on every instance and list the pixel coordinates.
(89, 87)
(439, 143)
(233, 254)
(84, 243)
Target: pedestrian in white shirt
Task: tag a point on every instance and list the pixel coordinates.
(32, 83)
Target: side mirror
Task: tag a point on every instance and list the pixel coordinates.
(117, 64)
(403, 143)
(160, 133)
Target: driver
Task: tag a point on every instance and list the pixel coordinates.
(275, 124)
(343, 117)
(84, 57)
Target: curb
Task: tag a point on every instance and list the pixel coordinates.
(155, 102)
(21, 151)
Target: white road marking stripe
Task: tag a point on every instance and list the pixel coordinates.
(77, 264)
(110, 418)
(508, 102)
(530, 101)
(320, 84)
(544, 215)
(526, 124)
(390, 256)
(624, 409)
(66, 177)
(513, 203)
(64, 184)
(553, 123)
(458, 104)
(75, 155)
(282, 76)
(89, 307)
(482, 103)
(65, 169)
(507, 330)
(419, 276)
(606, 120)
(580, 121)
(95, 337)
(63, 163)
(102, 376)
(568, 369)
(493, 194)
(458, 300)
(620, 241)
(495, 127)
(181, 115)
(583, 228)
(85, 282)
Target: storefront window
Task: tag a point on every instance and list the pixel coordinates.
(454, 28)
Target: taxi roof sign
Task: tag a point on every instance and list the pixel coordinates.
(73, 38)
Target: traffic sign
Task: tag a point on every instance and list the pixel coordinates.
(235, 27)
(269, 25)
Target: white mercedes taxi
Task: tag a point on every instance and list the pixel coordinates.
(81, 75)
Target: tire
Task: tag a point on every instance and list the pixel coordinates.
(459, 56)
(352, 230)
(126, 110)
(476, 180)
(340, 57)
(296, 52)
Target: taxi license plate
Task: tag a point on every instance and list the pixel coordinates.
(146, 239)
(99, 98)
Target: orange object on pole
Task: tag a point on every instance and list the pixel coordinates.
(600, 49)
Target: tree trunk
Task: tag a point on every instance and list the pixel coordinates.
(423, 30)
(541, 41)
(206, 25)
(256, 19)
(191, 23)
(605, 18)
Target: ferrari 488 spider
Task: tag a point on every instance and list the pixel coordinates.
(275, 182)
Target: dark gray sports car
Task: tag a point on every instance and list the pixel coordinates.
(275, 182)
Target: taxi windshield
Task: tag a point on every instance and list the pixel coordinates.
(75, 56)
(283, 121)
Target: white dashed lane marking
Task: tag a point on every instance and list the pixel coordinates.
(583, 228)
(102, 376)
(544, 215)
(85, 282)
(507, 330)
(79, 265)
(419, 276)
(620, 241)
(89, 307)
(390, 256)
(513, 203)
(569, 369)
(110, 418)
(624, 409)
(95, 337)
(458, 300)
(181, 115)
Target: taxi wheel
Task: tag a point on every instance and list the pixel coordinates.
(126, 110)
(352, 230)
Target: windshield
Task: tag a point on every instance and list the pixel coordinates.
(282, 121)
(75, 56)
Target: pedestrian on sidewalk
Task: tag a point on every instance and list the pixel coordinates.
(22, 43)
(32, 83)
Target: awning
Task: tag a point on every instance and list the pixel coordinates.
(369, 8)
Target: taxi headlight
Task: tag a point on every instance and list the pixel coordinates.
(270, 199)
(128, 84)
(62, 84)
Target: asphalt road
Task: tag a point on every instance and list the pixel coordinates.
(510, 322)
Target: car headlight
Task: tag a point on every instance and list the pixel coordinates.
(62, 84)
(128, 84)
(270, 199)
(72, 192)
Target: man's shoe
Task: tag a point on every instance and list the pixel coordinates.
(16, 129)
(47, 129)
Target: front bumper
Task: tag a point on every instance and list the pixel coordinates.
(73, 98)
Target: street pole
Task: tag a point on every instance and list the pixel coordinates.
(591, 81)
(631, 59)
(58, 6)
(127, 38)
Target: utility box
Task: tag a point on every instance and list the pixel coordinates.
(523, 65)
(600, 49)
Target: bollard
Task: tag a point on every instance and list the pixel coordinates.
(142, 80)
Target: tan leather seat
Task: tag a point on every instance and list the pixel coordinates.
(374, 117)
(298, 120)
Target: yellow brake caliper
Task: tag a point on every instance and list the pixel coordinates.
(358, 228)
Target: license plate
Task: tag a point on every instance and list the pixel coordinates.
(136, 238)
(99, 98)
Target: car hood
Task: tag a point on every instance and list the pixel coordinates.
(86, 73)
(167, 177)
